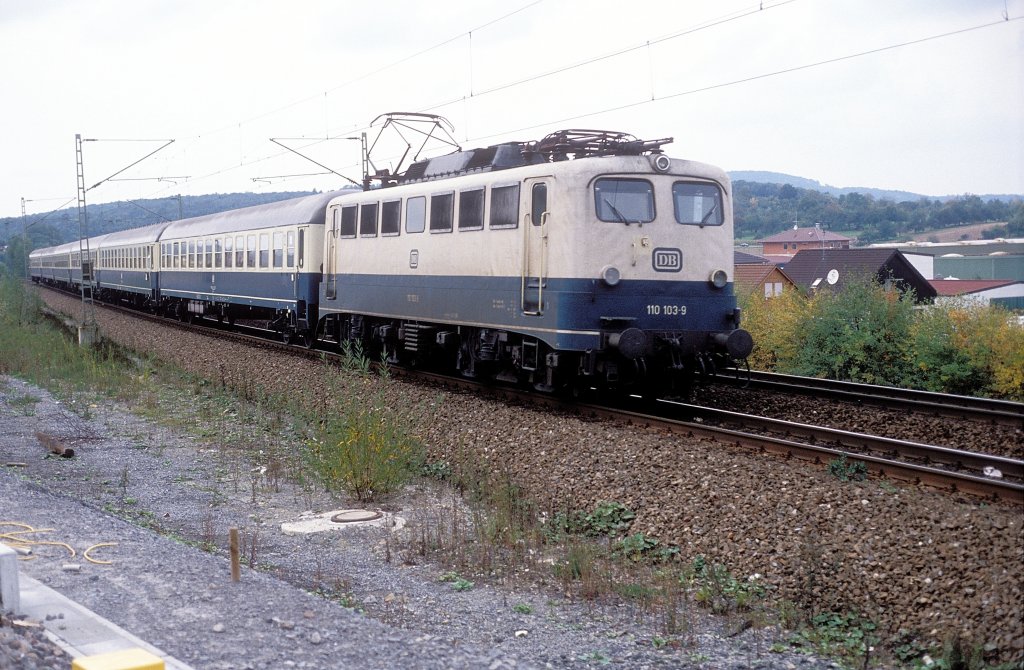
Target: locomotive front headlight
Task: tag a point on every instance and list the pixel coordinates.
(661, 162)
(719, 279)
(610, 275)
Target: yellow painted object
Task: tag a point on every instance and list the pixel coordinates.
(125, 659)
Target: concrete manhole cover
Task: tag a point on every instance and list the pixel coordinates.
(355, 516)
(338, 520)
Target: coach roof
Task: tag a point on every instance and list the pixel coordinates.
(306, 210)
(144, 235)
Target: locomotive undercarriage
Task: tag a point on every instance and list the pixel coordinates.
(669, 365)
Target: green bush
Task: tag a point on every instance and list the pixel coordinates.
(363, 446)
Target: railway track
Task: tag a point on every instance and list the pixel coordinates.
(934, 466)
(1002, 412)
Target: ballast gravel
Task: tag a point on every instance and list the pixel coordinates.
(932, 564)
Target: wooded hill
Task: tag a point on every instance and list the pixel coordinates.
(761, 209)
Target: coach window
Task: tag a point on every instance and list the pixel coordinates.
(289, 260)
(176, 254)
(697, 204)
(250, 251)
(505, 206)
(441, 212)
(209, 253)
(218, 252)
(264, 250)
(239, 251)
(391, 218)
(471, 209)
(191, 253)
(229, 251)
(415, 214)
(348, 221)
(624, 200)
(278, 249)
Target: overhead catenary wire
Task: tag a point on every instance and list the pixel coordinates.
(651, 99)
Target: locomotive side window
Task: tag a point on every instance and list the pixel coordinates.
(348, 221)
(697, 204)
(391, 218)
(505, 206)
(624, 200)
(278, 250)
(471, 210)
(250, 251)
(442, 211)
(415, 214)
(368, 220)
(540, 204)
(229, 251)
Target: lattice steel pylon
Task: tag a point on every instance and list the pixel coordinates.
(87, 329)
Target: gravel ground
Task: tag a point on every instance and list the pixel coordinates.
(923, 561)
(181, 599)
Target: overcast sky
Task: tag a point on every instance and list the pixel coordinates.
(815, 88)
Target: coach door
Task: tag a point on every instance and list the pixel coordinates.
(331, 265)
(535, 248)
(296, 246)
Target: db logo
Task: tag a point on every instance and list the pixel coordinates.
(667, 260)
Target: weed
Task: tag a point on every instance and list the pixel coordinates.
(522, 608)
(439, 470)
(849, 635)
(597, 657)
(24, 404)
(364, 447)
(846, 471)
(635, 547)
(458, 583)
(607, 519)
(719, 590)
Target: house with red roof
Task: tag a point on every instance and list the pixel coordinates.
(789, 242)
(757, 275)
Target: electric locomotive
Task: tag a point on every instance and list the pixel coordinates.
(588, 260)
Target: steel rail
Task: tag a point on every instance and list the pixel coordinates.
(1003, 412)
(974, 462)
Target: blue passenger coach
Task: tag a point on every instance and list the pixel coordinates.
(260, 263)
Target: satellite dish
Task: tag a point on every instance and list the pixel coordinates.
(832, 277)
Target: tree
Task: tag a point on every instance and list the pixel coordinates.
(858, 334)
